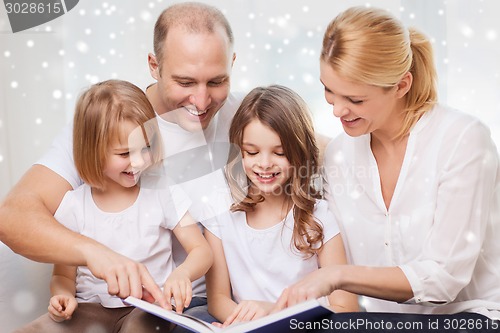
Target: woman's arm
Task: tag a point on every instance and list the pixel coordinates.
(466, 183)
(387, 283)
(332, 254)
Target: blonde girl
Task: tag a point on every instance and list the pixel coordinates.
(115, 139)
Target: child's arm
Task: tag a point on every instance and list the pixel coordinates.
(63, 289)
(197, 263)
(220, 303)
(333, 253)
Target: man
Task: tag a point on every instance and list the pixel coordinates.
(193, 45)
(192, 64)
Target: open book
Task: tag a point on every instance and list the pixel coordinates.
(282, 321)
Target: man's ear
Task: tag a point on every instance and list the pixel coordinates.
(404, 85)
(154, 68)
(234, 58)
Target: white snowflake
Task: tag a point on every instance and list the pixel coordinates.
(145, 16)
(467, 31)
(491, 35)
(57, 94)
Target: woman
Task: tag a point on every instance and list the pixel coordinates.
(414, 185)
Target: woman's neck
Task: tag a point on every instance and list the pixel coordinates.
(388, 143)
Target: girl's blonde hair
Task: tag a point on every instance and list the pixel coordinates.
(99, 112)
(370, 46)
(283, 111)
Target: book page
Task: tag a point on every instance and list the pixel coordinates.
(183, 320)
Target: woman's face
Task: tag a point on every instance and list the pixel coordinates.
(362, 108)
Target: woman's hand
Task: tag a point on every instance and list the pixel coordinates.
(178, 286)
(315, 285)
(61, 307)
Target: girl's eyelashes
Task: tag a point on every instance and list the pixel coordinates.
(253, 153)
(145, 149)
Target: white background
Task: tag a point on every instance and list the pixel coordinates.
(45, 68)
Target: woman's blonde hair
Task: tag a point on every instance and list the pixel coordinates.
(286, 113)
(370, 46)
(99, 112)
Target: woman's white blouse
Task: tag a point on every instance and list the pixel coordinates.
(442, 227)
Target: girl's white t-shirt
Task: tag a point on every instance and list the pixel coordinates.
(142, 232)
(263, 262)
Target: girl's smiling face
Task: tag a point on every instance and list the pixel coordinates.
(128, 156)
(264, 161)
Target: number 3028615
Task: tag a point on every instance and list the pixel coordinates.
(464, 324)
(33, 8)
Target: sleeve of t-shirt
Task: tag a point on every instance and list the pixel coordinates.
(327, 219)
(67, 212)
(214, 224)
(175, 203)
(59, 157)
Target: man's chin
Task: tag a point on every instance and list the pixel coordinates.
(194, 126)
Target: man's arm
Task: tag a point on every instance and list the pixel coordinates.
(27, 224)
(28, 227)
